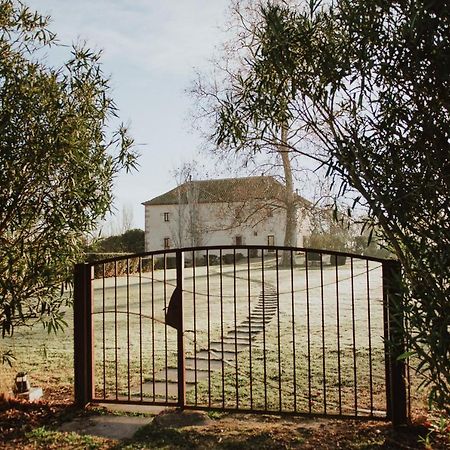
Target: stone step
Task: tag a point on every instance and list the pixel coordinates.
(267, 303)
(255, 322)
(190, 374)
(241, 334)
(246, 329)
(259, 308)
(231, 340)
(259, 317)
(202, 363)
(263, 315)
(159, 388)
(227, 346)
(216, 354)
(266, 316)
(265, 306)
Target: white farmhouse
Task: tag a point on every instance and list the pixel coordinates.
(232, 211)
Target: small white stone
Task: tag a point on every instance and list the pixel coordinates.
(32, 395)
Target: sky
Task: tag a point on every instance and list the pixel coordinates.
(151, 49)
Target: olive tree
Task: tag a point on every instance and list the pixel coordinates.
(58, 161)
(368, 83)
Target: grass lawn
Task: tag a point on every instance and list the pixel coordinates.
(324, 327)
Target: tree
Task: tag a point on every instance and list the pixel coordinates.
(57, 165)
(228, 103)
(187, 229)
(369, 82)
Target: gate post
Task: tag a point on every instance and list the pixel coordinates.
(82, 334)
(180, 332)
(394, 335)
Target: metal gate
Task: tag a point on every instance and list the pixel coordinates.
(242, 328)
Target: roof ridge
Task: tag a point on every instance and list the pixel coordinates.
(226, 190)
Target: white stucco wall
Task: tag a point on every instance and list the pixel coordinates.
(214, 224)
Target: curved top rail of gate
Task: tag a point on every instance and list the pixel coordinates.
(239, 247)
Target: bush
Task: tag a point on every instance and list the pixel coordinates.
(228, 258)
(313, 256)
(337, 260)
(326, 241)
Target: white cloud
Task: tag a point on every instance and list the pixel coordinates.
(165, 36)
(150, 47)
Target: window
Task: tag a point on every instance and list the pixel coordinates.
(271, 241)
(166, 242)
(255, 233)
(166, 217)
(238, 240)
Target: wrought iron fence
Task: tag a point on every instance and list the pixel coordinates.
(242, 328)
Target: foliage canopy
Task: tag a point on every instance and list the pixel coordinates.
(57, 165)
(131, 241)
(367, 82)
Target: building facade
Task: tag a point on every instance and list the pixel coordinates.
(232, 211)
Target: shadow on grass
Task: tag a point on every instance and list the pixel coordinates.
(184, 439)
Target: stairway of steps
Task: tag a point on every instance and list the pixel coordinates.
(236, 340)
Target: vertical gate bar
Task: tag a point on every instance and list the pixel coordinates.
(194, 307)
(103, 331)
(209, 328)
(235, 330)
(90, 328)
(369, 325)
(79, 335)
(115, 331)
(249, 328)
(153, 326)
(165, 328)
(393, 300)
(322, 303)
(338, 327)
(264, 330)
(308, 330)
(355, 382)
(83, 355)
(221, 327)
(294, 360)
(128, 329)
(140, 328)
(408, 372)
(386, 354)
(307, 304)
(387, 371)
(278, 332)
(181, 363)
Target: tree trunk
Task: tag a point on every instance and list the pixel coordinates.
(290, 234)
